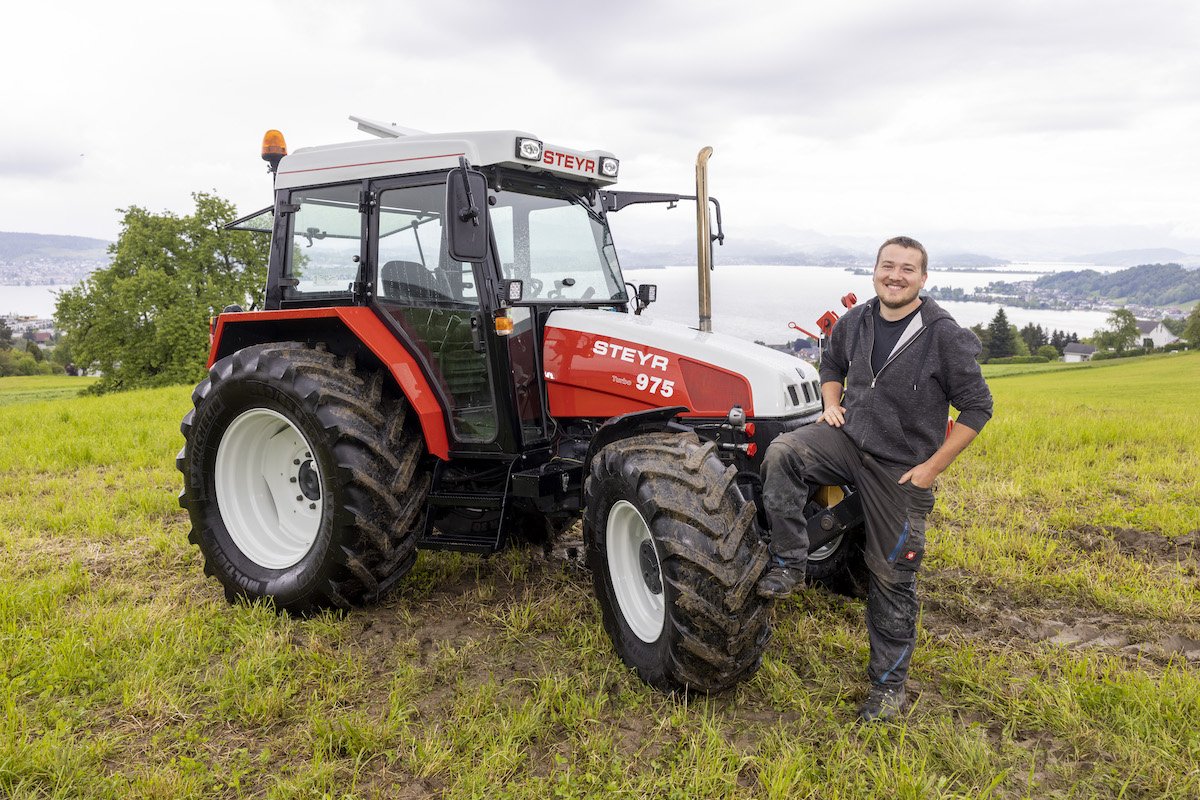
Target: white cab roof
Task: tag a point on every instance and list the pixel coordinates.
(375, 158)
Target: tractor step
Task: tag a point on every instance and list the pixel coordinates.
(466, 500)
(464, 521)
(483, 542)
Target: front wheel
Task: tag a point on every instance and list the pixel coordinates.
(675, 555)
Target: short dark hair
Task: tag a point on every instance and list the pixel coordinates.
(906, 241)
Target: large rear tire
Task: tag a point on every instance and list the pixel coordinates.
(302, 480)
(675, 555)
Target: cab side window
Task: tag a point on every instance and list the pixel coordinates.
(326, 243)
(414, 267)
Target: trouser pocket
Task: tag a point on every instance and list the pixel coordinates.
(909, 550)
(910, 547)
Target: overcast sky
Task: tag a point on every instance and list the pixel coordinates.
(1074, 124)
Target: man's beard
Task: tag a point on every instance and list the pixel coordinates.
(902, 302)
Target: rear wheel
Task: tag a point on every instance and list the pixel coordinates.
(839, 564)
(303, 481)
(675, 555)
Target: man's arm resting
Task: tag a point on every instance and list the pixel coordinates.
(831, 394)
(924, 474)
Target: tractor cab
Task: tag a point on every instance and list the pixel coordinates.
(364, 224)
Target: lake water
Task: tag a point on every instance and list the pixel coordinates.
(29, 301)
(751, 302)
(757, 302)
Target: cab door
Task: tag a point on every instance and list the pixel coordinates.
(435, 303)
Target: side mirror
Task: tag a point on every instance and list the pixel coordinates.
(466, 218)
(647, 293)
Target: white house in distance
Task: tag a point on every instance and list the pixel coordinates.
(1078, 352)
(1154, 334)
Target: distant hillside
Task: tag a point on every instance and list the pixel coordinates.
(1131, 258)
(38, 259)
(25, 246)
(1147, 284)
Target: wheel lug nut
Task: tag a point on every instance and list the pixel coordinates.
(293, 480)
(299, 498)
(312, 505)
(296, 461)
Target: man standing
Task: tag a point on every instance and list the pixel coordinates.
(893, 367)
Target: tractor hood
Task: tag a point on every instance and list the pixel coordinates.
(603, 363)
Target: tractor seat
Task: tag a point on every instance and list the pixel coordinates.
(410, 281)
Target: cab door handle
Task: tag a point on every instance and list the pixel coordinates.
(477, 333)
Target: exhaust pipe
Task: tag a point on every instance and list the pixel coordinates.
(703, 239)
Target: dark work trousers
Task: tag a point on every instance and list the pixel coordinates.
(800, 461)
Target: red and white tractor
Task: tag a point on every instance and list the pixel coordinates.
(450, 358)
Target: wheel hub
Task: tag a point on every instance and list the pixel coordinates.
(310, 484)
(649, 563)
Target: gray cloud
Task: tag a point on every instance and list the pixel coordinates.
(998, 68)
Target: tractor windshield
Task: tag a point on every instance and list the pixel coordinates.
(557, 242)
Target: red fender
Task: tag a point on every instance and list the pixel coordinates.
(376, 337)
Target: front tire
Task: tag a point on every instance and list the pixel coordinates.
(675, 555)
(303, 482)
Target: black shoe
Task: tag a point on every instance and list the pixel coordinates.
(779, 582)
(884, 704)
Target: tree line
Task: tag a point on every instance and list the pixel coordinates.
(1002, 339)
(23, 356)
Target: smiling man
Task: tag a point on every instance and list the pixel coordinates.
(893, 368)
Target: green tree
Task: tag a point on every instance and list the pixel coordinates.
(1121, 334)
(1191, 331)
(17, 362)
(36, 352)
(143, 320)
(5, 335)
(1000, 337)
(1048, 351)
(1034, 337)
(1020, 348)
(985, 338)
(1175, 325)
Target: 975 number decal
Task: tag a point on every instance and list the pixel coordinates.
(658, 386)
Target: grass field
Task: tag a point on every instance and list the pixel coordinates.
(41, 387)
(1059, 651)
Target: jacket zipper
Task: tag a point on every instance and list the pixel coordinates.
(895, 355)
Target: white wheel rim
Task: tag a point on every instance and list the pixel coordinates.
(826, 550)
(632, 561)
(268, 488)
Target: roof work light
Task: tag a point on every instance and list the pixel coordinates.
(274, 148)
(609, 167)
(529, 149)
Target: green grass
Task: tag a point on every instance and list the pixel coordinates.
(23, 389)
(123, 673)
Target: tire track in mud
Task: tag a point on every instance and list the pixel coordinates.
(1147, 546)
(960, 603)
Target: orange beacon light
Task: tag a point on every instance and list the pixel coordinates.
(274, 148)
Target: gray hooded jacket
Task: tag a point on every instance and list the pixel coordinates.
(899, 415)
